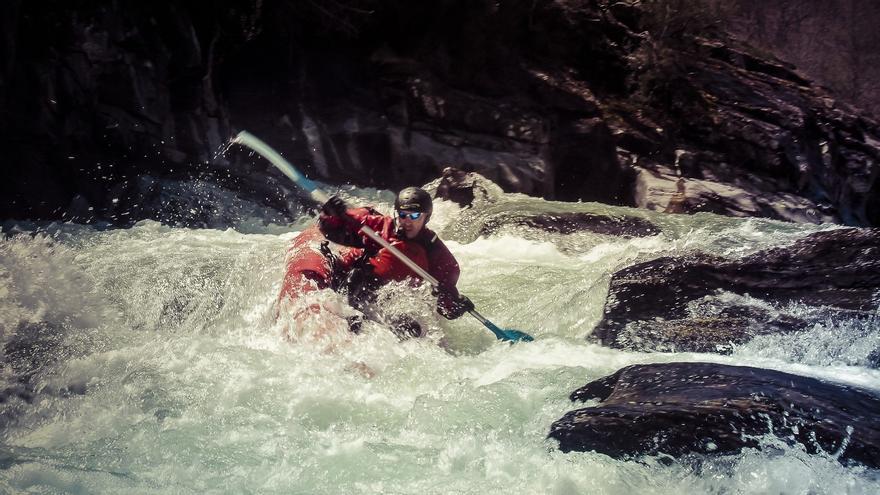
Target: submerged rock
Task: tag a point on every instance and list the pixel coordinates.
(680, 408)
(874, 359)
(571, 222)
(28, 353)
(705, 303)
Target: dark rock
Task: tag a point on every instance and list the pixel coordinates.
(707, 408)
(673, 303)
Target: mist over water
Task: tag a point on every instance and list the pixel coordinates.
(149, 360)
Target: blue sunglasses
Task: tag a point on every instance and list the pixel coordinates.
(412, 216)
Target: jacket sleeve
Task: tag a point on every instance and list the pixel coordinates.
(346, 231)
(445, 269)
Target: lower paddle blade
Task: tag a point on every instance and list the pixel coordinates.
(508, 335)
(516, 336)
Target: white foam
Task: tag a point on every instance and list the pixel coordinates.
(173, 375)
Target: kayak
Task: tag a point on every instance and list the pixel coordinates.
(309, 309)
(312, 311)
(307, 269)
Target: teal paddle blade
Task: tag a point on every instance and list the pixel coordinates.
(517, 336)
(505, 334)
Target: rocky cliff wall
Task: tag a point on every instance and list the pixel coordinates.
(572, 100)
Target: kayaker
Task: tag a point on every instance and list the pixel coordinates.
(367, 266)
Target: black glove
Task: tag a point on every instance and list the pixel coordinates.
(451, 307)
(465, 304)
(335, 207)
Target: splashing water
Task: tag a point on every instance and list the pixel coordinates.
(148, 360)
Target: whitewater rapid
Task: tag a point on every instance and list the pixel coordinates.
(149, 360)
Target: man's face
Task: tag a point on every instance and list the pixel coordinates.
(409, 226)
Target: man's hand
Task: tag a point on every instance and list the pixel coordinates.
(465, 304)
(452, 307)
(335, 207)
(337, 225)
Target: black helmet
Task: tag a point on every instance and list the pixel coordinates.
(414, 199)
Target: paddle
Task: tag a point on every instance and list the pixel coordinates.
(247, 139)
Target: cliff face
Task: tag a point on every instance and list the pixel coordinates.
(591, 100)
(95, 94)
(835, 42)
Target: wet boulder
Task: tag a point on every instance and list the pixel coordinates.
(681, 408)
(706, 304)
(469, 189)
(465, 188)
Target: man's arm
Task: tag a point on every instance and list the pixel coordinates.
(342, 224)
(445, 268)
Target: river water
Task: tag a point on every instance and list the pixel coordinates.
(153, 363)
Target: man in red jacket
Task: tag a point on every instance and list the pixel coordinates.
(369, 265)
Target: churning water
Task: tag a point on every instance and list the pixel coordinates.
(149, 360)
